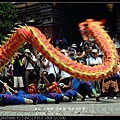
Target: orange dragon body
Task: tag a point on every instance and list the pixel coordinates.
(38, 40)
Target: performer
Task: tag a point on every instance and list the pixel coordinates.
(77, 83)
(39, 88)
(65, 83)
(7, 98)
(55, 87)
(86, 86)
(110, 83)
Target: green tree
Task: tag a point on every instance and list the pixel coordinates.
(8, 17)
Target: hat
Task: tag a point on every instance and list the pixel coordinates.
(63, 50)
(71, 49)
(27, 51)
(94, 51)
(74, 45)
(18, 53)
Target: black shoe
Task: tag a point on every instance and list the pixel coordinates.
(57, 101)
(70, 98)
(83, 99)
(97, 99)
(35, 101)
(74, 98)
(2, 99)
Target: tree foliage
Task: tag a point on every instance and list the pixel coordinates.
(8, 17)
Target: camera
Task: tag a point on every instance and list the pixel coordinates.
(18, 55)
(29, 53)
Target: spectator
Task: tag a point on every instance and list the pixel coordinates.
(29, 62)
(18, 71)
(61, 42)
(93, 45)
(92, 61)
(71, 53)
(10, 75)
(5, 74)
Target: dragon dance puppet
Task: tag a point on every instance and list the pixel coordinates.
(38, 40)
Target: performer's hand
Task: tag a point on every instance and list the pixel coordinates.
(15, 91)
(62, 78)
(6, 86)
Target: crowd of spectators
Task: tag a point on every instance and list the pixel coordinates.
(32, 73)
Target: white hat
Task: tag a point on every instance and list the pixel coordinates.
(63, 50)
(27, 51)
(94, 50)
(74, 45)
(19, 53)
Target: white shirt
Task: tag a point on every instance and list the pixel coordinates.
(29, 66)
(51, 69)
(92, 60)
(65, 74)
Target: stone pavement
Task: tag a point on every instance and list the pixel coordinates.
(90, 107)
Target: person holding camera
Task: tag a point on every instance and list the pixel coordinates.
(17, 71)
(29, 62)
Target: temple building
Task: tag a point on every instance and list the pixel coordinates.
(54, 19)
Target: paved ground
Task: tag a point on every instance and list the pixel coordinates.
(90, 107)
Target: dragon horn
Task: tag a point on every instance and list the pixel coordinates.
(16, 28)
(6, 38)
(9, 34)
(20, 26)
(12, 31)
(3, 42)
